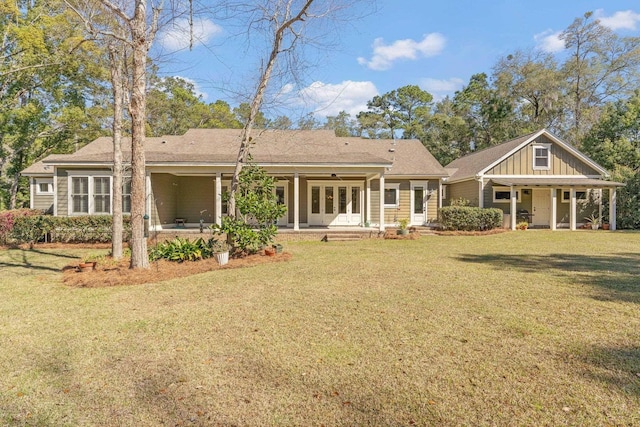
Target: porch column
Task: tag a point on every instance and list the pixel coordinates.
(612, 207)
(600, 206)
(514, 199)
(368, 196)
(148, 194)
(554, 208)
(572, 213)
(381, 202)
(481, 193)
(32, 193)
(218, 195)
(296, 201)
(439, 194)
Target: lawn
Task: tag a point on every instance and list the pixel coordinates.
(519, 328)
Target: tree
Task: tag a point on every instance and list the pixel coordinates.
(44, 88)
(601, 66)
(342, 124)
(445, 134)
(403, 109)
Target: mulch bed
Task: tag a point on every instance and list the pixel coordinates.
(111, 273)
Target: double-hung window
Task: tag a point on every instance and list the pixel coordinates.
(80, 195)
(541, 157)
(503, 195)
(391, 195)
(89, 194)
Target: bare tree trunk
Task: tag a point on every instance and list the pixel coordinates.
(13, 191)
(245, 139)
(118, 95)
(139, 256)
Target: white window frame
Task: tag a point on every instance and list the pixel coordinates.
(547, 147)
(48, 181)
(508, 190)
(578, 199)
(91, 208)
(443, 193)
(392, 186)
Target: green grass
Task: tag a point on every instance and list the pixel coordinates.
(520, 328)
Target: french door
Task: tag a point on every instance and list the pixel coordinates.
(335, 203)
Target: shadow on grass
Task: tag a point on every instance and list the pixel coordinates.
(617, 366)
(617, 274)
(24, 258)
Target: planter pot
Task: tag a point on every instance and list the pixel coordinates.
(222, 257)
(270, 252)
(594, 226)
(402, 232)
(87, 266)
(605, 226)
(278, 248)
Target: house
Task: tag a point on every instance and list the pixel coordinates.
(323, 180)
(539, 177)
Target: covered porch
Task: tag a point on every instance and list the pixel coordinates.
(557, 203)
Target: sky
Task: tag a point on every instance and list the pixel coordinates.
(437, 45)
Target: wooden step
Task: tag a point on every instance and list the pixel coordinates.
(343, 237)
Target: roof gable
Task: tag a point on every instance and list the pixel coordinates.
(482, 162)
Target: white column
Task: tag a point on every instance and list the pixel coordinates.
(148, 194)
(572, 214)
(218, 196)
(612, 208)
(296, 201)
(600, 206)
(368, 196)
(440, 193)
(481, 194)
(514, 199)
(382, 202)
(554, 208)
(32, 191)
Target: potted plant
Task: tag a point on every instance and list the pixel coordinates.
(522, 225)
(88, 263)
(402, 226)
(277, 247)
(220, 250)
(593, 221)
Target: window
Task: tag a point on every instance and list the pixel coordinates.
(91, 195)
(315, 200)
(126, 195)
(541, 157)
(503, 195)
(581, 195)
(391, 195)
(355, 200)
(44, 186)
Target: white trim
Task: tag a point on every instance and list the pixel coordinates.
(48, 181)
(296, 201)
(543, 177)
(391, 186)
(32, 184)
(534, 157)
(425, 201)
(507, 190)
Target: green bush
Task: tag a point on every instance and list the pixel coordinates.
(467, 218)
(8, 220)
(57, 229)
(181, 250)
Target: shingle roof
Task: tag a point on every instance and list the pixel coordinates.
(471, 164)
(292, 147)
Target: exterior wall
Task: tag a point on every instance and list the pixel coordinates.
(43, 202)
(165, 198)
(375, 201)
(562, 162)
(62, 186)
(524, 203)
(392, 214)
(466, 189)
(195, 194)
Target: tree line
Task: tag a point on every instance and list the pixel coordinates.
(55, 96)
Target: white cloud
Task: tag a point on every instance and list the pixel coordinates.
(440, 88)
(624, 19)
(329, 99)
(179, 35)
(385, 54)
(549, 41)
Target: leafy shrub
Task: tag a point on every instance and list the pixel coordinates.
(77, 229)
(628, 204)
(258, 205)
(8, 220)
(180, 249)
(467, 218)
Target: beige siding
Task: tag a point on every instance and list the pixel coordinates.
(375, 201)
(43, 202)
(466, 190)
(432, 202)
(562, 162)
(165, 198)
(62, 192)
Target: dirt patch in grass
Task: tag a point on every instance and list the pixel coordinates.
(112, 273)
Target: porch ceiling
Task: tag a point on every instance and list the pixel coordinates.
(556, 182)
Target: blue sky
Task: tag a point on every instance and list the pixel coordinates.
(437, 45)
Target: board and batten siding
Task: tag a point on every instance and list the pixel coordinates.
(468, 190)
(562, 162)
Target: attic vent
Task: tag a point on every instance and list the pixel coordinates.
(164, 141)
(392, 150)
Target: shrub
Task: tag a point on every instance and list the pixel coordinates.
(8, 220)
(466, 218)
(77, 229)
(180, 250)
